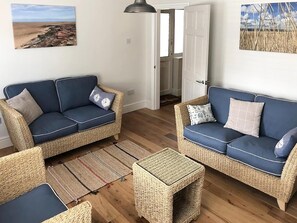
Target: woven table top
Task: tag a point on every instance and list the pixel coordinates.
(169, 166)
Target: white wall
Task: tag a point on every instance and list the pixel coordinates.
(102, 33)
(268, 73)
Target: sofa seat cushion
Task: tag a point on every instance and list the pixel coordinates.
(219, 99)
(43, 92)
(37, 205)
(90, 116)
(257, 152)
(74, 92)
(51, 126)
(212, 136)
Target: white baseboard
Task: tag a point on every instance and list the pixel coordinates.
(5, 142)
(135, 106)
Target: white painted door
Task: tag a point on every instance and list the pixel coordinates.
(195, 56)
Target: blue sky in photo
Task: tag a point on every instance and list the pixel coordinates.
(274, 6)
(271, 14)
(42, 13)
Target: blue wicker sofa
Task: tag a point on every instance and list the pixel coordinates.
(69, 120)
(243, 157)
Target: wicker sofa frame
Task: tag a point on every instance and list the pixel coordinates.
(282, 188)
(22, 172)
(22, 139)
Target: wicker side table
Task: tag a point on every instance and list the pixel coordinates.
(168, 187)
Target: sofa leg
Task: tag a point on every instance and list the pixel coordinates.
(116, 137)
(281, 204)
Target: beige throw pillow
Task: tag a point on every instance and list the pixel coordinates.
(26, 105)
(245, 116)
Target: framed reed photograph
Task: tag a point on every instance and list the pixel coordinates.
(36, 26)
(269, 27)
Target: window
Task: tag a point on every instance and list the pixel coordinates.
(179, 31)
(164, 35)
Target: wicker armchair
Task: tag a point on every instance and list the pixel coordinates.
(22, 139)
(21, 172)
(282, 188)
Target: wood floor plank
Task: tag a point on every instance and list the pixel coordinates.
(231, 212)
(147, 144)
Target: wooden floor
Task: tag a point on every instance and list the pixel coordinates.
(223, 200)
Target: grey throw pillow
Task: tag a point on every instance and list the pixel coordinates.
(286, 143)
(26, 105)
(200, 114)
(101, 99)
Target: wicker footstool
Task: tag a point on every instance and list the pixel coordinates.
(167, 187)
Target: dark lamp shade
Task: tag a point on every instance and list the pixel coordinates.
(140, 6)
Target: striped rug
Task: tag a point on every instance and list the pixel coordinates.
(76, 178)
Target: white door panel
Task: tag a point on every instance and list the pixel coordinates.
(196, 41)
(199, 61)
(187, 88)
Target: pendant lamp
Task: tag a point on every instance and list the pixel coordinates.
(140, 6)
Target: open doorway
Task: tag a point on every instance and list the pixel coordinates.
(171, 53)
(194, 56)
(155, 46)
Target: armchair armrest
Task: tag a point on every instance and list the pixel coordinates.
(289, 174)
(117, 105)
(181, 114)
(17, 127)
(21, 172)
(81, 213)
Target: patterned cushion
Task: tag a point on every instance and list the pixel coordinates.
(26, 105)
(286, 144)
(101, 99)
(245, 117)
(200, 114)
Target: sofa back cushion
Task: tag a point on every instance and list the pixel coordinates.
(74, 92)
(278, 117)
(43, 92)
(219, 99)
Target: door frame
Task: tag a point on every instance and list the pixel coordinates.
(170, 56)
(155, 44)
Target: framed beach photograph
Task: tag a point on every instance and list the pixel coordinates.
(269, 27)
(36, 26)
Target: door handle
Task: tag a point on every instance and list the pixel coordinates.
(202, 82)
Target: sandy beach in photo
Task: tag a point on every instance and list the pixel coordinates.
(26, 32)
